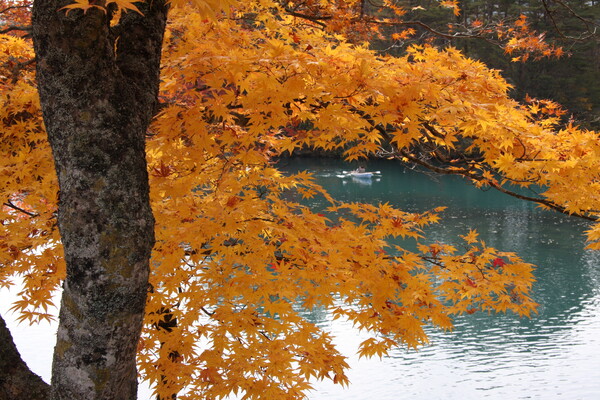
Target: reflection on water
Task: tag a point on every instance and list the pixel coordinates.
(553, 355)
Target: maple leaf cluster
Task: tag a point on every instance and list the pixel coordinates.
(238, 257)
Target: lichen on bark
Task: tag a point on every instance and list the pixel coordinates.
(98, 87)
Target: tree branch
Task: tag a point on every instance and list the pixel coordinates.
(13, 8)
(314, 19)
(10, 28)
(502, 189)
(10, 204)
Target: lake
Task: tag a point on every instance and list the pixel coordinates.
(553, 355)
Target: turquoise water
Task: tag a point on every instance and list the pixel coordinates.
(553, 355)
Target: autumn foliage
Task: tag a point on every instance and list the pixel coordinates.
(238, 256)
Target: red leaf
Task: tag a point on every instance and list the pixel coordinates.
(498, 262)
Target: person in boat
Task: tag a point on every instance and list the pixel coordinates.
(360, 169)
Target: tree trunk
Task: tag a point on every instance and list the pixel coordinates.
(98, 87)
(17, 382)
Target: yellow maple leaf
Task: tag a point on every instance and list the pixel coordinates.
(82, 5)
(471, 237)
(125, 5)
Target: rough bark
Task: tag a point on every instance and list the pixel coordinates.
(98, 87)
(17, 382)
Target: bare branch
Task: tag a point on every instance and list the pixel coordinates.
(559, 31)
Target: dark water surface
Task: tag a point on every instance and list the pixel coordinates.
(553, 355)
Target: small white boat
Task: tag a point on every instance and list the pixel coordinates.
(359, 174)
(362, 175)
